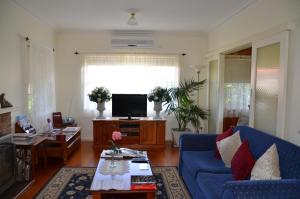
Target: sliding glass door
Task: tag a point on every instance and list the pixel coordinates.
(269, 69)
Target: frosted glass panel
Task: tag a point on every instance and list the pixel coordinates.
(213, 96)
(267, 88)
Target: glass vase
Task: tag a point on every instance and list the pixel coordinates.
(113, 161)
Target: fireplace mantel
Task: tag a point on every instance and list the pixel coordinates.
(6, 110)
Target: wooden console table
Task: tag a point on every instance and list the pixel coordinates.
(143, 133)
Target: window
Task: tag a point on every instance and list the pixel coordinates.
(128, 73)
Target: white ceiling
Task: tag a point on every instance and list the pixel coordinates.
(155, 15)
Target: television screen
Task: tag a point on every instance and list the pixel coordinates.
(129, 105)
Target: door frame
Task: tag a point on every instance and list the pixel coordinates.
(221, 67)
(220, 58)
(281, 38)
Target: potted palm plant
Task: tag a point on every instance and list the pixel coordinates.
(184, 108)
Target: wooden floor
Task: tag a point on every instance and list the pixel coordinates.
(87, 156)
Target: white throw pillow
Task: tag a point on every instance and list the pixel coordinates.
(267, 166)
(228, 146)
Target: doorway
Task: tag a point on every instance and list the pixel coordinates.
(249, 85)
(237, 88)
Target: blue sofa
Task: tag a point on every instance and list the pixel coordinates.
(207, 177)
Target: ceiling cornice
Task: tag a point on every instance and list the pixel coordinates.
(232, 15)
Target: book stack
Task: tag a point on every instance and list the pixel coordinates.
(141, 182)
(24, 125)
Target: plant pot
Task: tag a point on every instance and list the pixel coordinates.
(100, 108)
(157, 108)
(176, 135)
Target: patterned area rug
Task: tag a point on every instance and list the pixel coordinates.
(71, 182)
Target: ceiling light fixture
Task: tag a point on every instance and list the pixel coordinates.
(132, 20)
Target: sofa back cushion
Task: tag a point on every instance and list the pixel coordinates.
(289, 154)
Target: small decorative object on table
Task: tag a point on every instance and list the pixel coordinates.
(49, 125)
(3, 102)
(100, 95)
(116, 135)
(159, 95)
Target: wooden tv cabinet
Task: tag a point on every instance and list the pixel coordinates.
(139, 134)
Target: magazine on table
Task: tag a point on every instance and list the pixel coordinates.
(125, 154)
(143, 182)
(71, 129)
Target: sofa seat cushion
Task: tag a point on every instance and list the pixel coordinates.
(212, 184)
(203, 161)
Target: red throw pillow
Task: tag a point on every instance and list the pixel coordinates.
(220, 137)
(242, 162)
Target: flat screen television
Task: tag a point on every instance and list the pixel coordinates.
(129, 105)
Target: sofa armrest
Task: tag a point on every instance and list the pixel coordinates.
(286, 188)
(197, 142)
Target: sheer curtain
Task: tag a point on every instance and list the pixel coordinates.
(237, 98)
(127, 73)
(40, 85)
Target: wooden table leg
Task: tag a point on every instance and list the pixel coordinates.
(150, 195)
(97, 195)
(33, 160)
(44, 151)
(65, 152)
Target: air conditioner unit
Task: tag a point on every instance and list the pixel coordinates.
(129, 39)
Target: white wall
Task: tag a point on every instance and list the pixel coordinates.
(257, 18)
(262, 18)
(237, 70)
(293, 91)
(15, 25)
(68, 65)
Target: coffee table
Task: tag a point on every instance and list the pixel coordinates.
(134, 169)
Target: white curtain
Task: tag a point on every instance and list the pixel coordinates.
(40, 85)
(237, 99)
(127, 73)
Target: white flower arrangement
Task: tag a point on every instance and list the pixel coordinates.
(99, 95)
(159, 94)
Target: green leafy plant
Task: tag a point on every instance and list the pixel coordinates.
(99, 95)
(184, 108)
(159, 94)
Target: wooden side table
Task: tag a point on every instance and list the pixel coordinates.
(32, 148)
(63, 144)
(229, 122)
